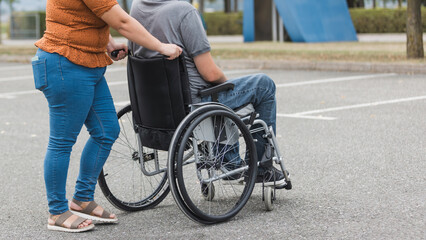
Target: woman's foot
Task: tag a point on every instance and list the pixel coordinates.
(93, 211)
(68, 222)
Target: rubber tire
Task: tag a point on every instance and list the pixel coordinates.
(151, 201)
(175, 160)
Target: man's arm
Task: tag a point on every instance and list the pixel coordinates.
(208, 69)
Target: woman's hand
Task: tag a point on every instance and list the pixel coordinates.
(112, 46)
(121, 54)
(171, 50)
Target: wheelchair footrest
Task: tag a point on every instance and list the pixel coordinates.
(287, 186)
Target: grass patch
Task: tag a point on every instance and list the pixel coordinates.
(334, 52)
(346, 52)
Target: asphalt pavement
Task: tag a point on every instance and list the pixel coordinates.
(354, 143)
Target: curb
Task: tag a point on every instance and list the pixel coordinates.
(401, 68)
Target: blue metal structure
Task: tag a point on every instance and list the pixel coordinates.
(307, 20)
(248, 21)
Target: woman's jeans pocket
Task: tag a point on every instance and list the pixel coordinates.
(39, 72)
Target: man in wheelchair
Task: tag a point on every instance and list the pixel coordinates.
(178, 22)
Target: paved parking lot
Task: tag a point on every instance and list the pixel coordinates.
(355, 144)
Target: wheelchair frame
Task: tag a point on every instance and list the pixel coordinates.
(218, 127)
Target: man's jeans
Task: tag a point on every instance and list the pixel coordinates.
(259, 90)
(76, 95)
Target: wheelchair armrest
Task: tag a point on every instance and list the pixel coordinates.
(216, 89)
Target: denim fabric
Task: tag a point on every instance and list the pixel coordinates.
(259, 90)
(76, 95)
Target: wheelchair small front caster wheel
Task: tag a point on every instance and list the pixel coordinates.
(208, 191)
(269, 198)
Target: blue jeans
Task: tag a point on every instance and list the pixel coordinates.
(76, 95)
(259, 90)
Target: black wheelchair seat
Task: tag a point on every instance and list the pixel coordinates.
(160, 96)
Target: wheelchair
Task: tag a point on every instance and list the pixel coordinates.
(203, 153)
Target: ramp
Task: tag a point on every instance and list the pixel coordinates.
(304, 20)
(317, 21)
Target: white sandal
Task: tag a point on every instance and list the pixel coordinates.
(58, 225)
(87, 212)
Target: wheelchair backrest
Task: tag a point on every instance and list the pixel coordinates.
(159, 96)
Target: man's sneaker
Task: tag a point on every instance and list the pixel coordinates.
(272, 177)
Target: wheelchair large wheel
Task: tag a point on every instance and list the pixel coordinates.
(212, 165)
(123, 180)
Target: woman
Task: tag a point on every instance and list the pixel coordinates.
(69, 68)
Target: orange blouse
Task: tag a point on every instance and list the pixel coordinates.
(75, 30)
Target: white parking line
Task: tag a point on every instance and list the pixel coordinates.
(12, 95)
(117, 83)
(20, 67)
(30, 77)
(121, 104)
(116, 69)
(109, 70)
(340, 79)
(305, 117)
(18, 78)
(363, 105)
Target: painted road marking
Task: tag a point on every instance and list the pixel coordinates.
(12, 95)
(30, 77)
(329, 80)
(18, 78)
(19, 67)
(363, 105)
(306, 117)
(121, 104)
(112, 70)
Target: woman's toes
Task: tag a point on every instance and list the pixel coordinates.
(50, 221)
(87, 222)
